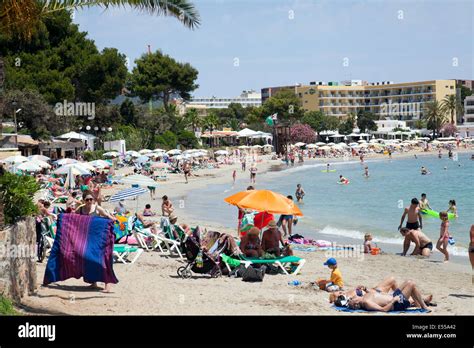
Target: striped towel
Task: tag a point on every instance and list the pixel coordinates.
(83, 247)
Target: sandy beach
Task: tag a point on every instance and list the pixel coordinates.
(152, 287)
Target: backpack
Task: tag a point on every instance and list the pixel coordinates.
(251, 274)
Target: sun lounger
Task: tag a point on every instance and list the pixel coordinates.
(122, 252)
(281, 262)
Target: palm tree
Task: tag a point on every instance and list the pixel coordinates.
(20, 18)
(435, 116)
(451, 105)
(210, 122)
(193, 119)
(233, 123)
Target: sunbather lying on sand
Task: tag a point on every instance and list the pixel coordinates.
(397, 301)
(387, 286)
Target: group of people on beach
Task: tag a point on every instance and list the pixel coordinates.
(412, 232)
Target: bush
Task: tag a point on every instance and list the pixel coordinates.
(167, 140)
(93, 155)
(187, 139)
(6, 307)
(16, 194)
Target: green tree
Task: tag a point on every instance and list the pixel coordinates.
(187, 139)
(211, 122)
(346, 127)
(167, 139)
(193, 119)
(434, 116)
(103, 77)
(451, 105)
(366, 121)
(320, 122)
(36, 116)
(233, 124)
(157, 76)
(128, 112)
(465, 92)
(22, 18)
(285, 104)
(135, 138)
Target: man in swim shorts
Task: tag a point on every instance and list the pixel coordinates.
(423, 245)
(414, 214)
(398, 301)
(387, 286)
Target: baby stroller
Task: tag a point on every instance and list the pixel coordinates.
(200, 261)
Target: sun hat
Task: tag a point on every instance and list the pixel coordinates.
(254, 230)
(272, 224)
(330, 262)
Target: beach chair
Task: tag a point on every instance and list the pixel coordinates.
(168, 236)
(280, 262)
(141, 234)
(122, 252)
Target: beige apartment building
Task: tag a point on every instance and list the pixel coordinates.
(387, 100)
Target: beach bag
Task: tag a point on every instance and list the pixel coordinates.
(252, 274)
(271, 269)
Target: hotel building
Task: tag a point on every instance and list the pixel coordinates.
(387, 100)
(467, 128)
(246, 98)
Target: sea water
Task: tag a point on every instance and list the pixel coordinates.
(366, 205)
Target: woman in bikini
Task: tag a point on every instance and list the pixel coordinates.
(250, 243)
(90, 208)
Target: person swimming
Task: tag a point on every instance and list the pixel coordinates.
(366, 172)
(343, 180)
(424, 171)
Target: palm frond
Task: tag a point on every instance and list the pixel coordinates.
(183, 10)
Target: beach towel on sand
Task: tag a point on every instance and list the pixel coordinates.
(83, 247)
(408, 311)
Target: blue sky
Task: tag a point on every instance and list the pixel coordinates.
(251, 44)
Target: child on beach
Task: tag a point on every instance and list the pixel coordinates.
(335, 283)
(147, 211)
(367, 243)
(442, 244)
(166, 206)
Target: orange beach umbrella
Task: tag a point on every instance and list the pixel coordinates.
(264, 200)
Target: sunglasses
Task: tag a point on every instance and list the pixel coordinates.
(89, 199)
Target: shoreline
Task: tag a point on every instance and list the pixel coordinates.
(276, 167)
(151, 285)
